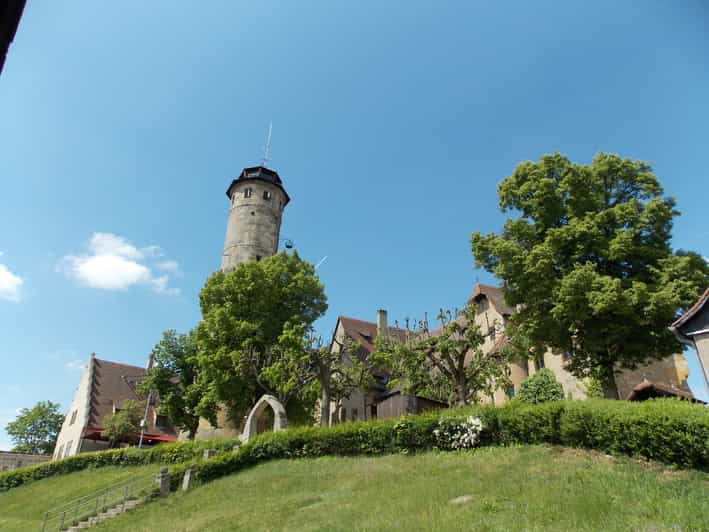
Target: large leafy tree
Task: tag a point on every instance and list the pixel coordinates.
(587, 257)
(173, 376)
(446, 364)
(251, 337)
(35, 429)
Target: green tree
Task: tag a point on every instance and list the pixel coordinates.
(35, 429)
(340, 372)
(124, 425)
(540, 388)
(173, 376)
(250, 341)
(588, 261)
(447, 364)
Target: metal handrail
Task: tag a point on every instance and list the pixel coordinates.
(94, 494)
(101, 500)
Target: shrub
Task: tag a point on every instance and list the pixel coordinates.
(166, 453)
(667, 430)
(454, 434)
(540, 388)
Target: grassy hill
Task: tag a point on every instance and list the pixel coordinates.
(495, 488)
(22, 508)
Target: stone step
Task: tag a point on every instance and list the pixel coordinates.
(108, 514)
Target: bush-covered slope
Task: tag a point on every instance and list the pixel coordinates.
(168, 453)
(493, 488)
(668, 430)
(22, 509)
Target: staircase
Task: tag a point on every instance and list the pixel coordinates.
(102, 504)
(108, 514)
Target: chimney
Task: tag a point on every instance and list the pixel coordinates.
(382, 322)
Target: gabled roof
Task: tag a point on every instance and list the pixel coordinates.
(365, 332)
(495, 295)
(647, 390)
(112, 384)
(684, 318)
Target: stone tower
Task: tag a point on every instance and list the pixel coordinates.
(257, 201)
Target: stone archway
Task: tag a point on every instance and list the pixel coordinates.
(279, 416)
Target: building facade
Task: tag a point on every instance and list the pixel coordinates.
(103, 387)
(491, 315)
(692, 329)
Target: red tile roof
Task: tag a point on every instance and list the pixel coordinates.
(365, 332)
(115, 383)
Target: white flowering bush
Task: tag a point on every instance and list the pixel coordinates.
(458, 434)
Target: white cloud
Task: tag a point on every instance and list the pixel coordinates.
(160, 286)
(170, 266)
(114, 263)
(10, 284)
(75, 365)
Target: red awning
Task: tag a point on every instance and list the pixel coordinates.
(94, 433)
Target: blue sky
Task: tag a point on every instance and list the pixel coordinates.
(121, 125)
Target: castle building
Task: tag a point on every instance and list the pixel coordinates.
(103, 389)
(692, 329)
(257, 199)
(665, 377)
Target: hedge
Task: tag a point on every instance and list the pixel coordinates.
(166, 453)
(666, 430)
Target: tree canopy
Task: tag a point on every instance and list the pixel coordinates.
(124, 425)
(35, 429)
(588, 259)
(447, 364)
(252, 336)
(173, 376)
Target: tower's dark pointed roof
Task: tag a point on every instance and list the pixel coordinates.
(259, 173)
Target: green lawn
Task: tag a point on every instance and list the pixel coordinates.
(22, 508)
(496, 488)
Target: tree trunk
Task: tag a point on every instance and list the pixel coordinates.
(325, 405)
(610, 388)
(324, 377)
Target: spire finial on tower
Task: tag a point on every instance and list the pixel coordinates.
(267, 147)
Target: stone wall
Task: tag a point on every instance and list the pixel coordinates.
(225, 428)
(11, 460)
(671, 371)
(254, 222)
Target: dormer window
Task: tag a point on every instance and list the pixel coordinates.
(247, 193)
(267, 194)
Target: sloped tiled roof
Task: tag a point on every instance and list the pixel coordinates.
(496, 297)
(365, 332)
(693, 310)
(647, 389)
(115, 383)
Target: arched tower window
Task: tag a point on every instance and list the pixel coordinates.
(247, 193)
(267, 194)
